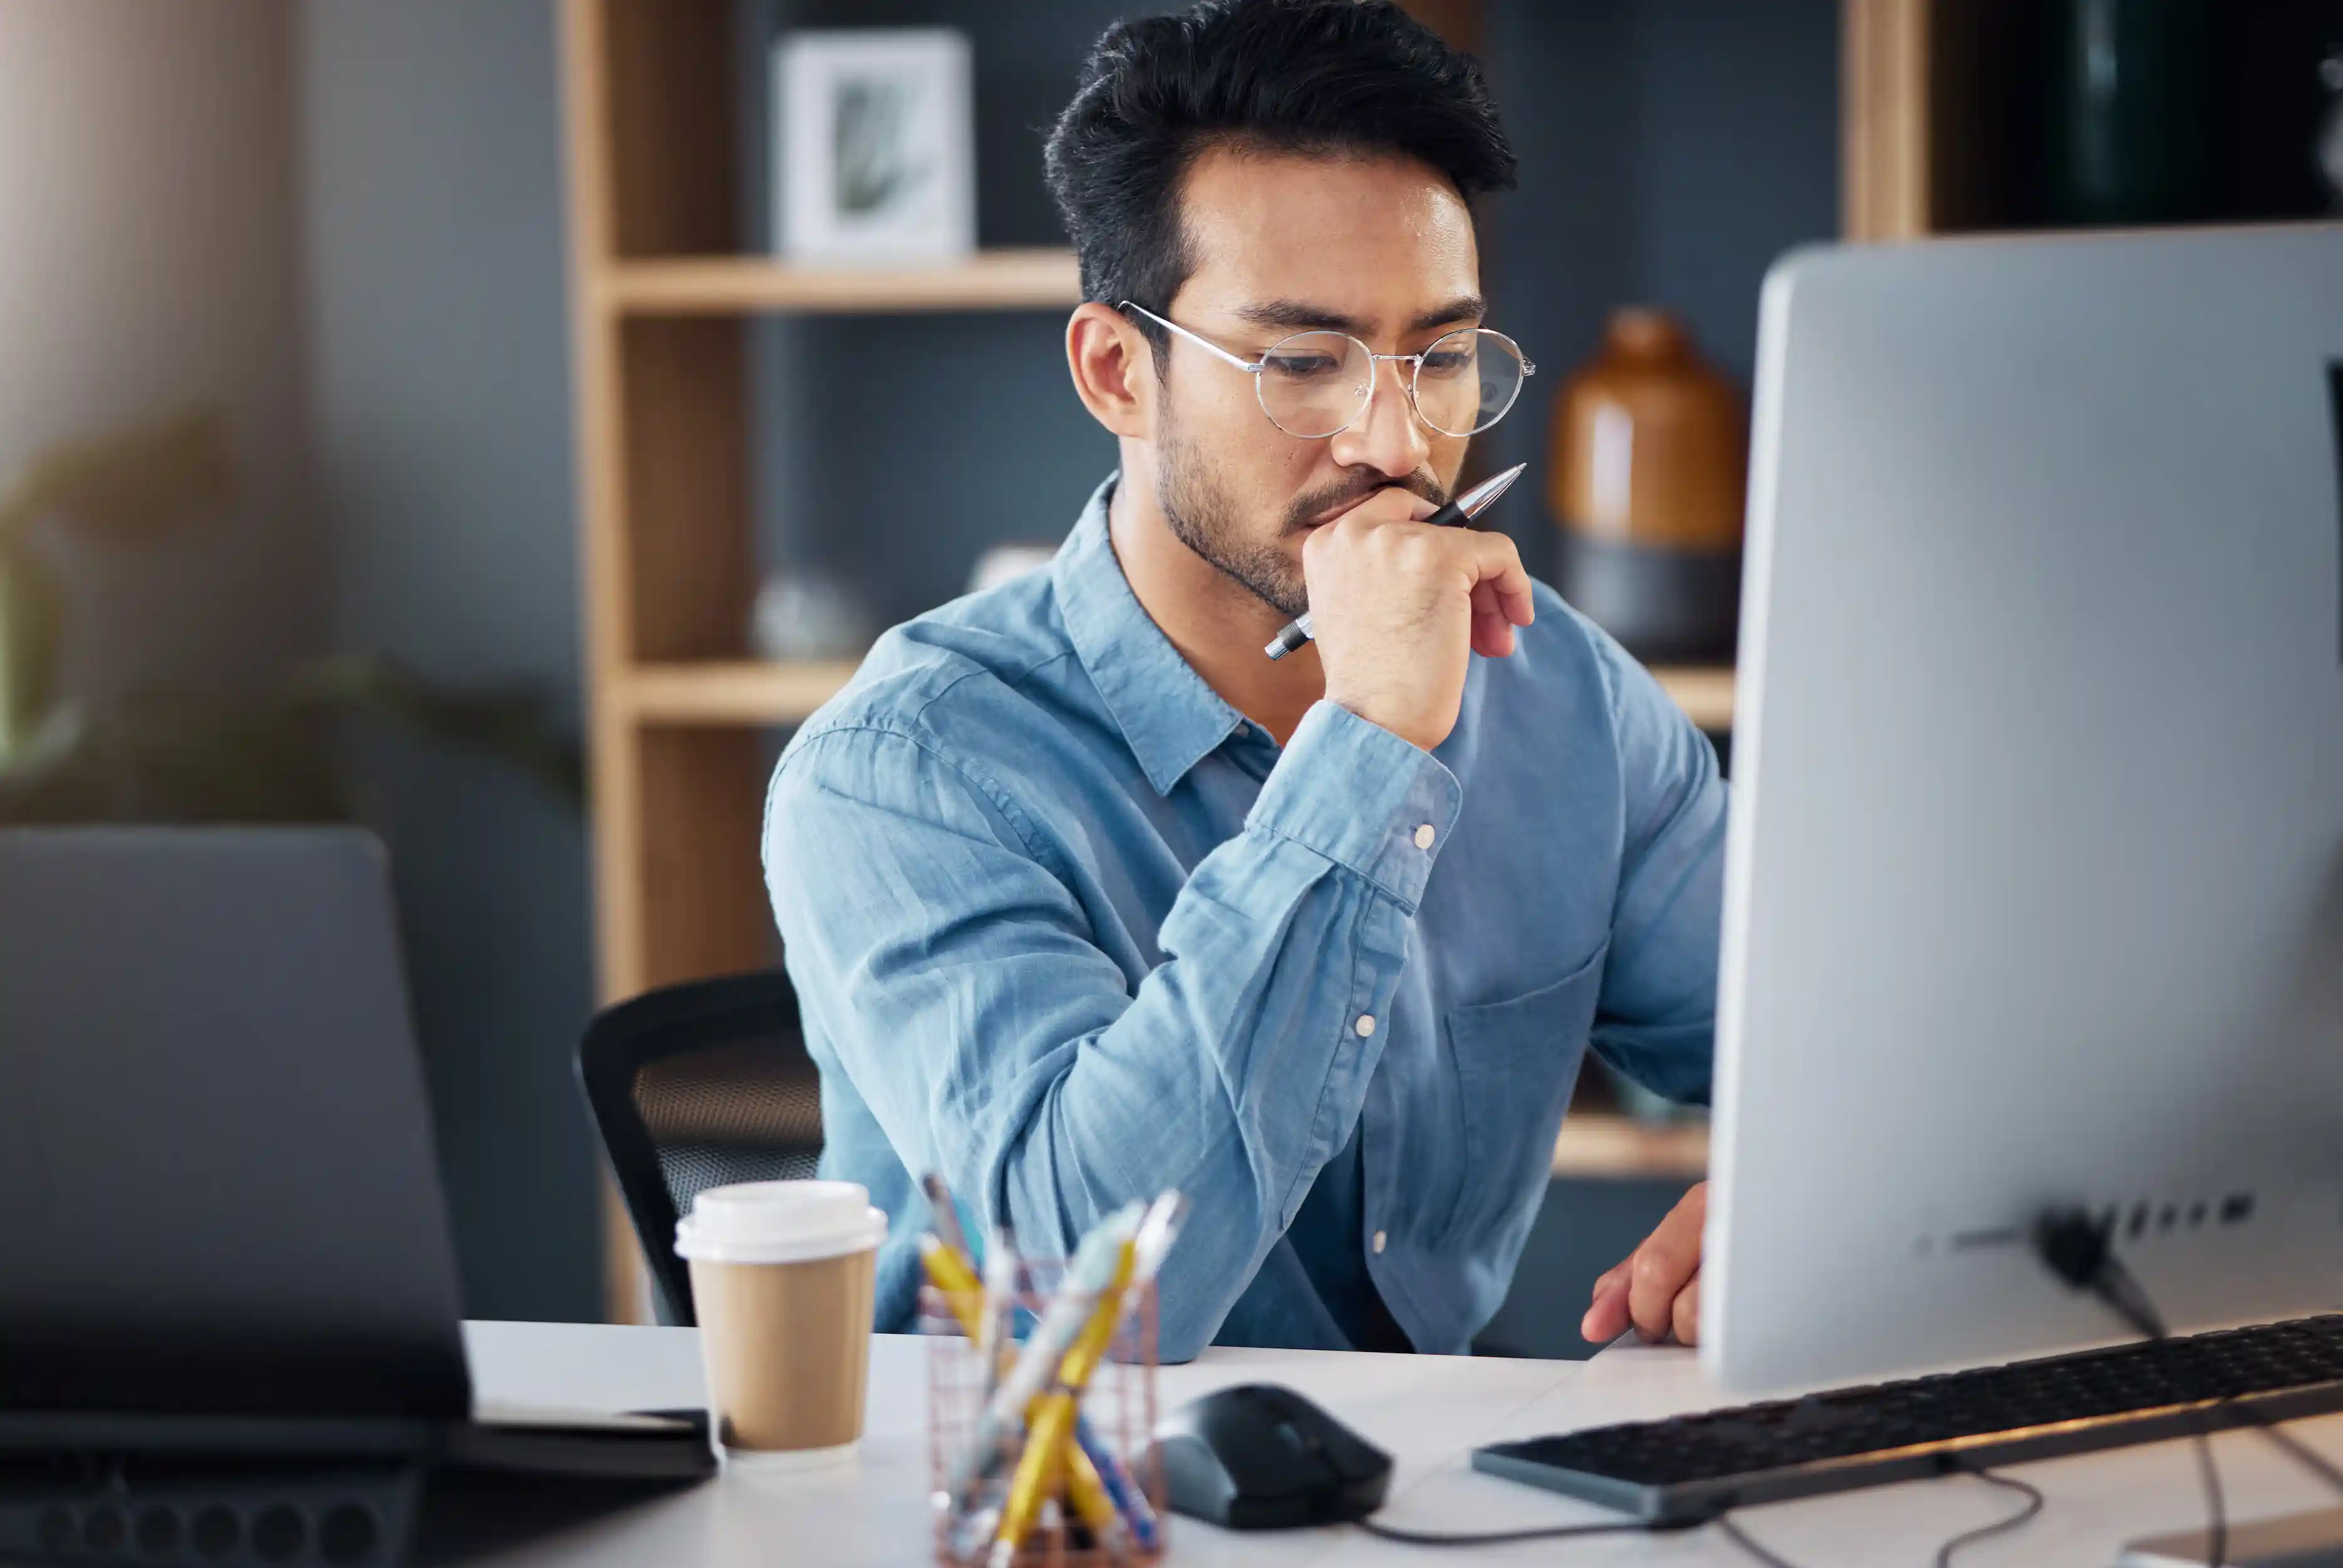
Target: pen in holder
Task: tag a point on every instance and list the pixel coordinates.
(1079, 1467)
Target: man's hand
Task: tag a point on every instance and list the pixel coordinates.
(1657, 1289)
(1399, 608)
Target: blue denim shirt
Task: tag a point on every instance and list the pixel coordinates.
(1069, 928)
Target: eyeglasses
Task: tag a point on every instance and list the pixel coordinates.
(1317, 383)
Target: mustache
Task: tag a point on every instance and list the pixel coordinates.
(1307, 508)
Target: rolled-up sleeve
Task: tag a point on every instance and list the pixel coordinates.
(945, 958)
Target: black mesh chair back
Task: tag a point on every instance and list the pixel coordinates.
(695, 1086)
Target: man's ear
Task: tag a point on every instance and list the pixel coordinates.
(1112, 367)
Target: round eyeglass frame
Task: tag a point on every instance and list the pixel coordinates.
(1253, 367)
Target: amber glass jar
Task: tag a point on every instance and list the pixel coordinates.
(1648, 478)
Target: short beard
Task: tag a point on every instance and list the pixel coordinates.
(1204, 517)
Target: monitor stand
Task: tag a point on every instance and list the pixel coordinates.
(2292, 1540)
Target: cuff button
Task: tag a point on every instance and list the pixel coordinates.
(1423, 837)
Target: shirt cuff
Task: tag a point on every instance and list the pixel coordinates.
(1362, 796)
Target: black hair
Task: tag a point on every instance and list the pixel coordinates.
(1342, 78)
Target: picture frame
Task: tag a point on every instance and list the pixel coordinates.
(875, 145)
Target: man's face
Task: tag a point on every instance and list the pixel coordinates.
(1382, 249)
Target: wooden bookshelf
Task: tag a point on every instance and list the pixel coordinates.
(1033, 279)
(1926, 137)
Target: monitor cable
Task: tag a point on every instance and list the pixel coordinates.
(1537, 1532)
(1731, 1528)
(2079, 1250)
(2034, 1504)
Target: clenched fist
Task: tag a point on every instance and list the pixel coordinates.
(1399, 608)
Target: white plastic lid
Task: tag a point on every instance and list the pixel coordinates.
(779, 1222)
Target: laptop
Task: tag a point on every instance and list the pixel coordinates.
(225, 1236)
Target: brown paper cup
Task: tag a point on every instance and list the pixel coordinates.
(782, 1279)
(788, 1349)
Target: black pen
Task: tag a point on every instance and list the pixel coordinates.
(1471, 504)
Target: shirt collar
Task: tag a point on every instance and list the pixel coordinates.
(1170, 719)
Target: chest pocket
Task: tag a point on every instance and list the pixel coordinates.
(1516, 1062)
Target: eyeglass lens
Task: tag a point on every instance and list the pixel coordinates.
(1316, 383)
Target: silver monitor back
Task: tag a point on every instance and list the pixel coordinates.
(2035, 887)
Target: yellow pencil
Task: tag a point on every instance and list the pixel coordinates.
(949, 1273)
(1050, 1424)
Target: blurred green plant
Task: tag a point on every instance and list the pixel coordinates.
(181, 757)
(129, 485)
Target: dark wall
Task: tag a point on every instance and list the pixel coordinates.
(440, 370)
(1670, 150)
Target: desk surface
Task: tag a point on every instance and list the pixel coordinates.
(1428, 1411)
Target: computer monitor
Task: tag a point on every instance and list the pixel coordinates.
(2033, 892)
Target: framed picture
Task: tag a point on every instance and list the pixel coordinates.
(875, 155)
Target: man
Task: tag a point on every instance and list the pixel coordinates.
(1084, 896)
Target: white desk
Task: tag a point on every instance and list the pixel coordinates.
(1428, 1411)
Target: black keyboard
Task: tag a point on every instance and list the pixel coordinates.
(1695, 1467)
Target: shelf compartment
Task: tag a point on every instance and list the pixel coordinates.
(1705, 693)
(1031, 279)
(731, 692)
(754, 691)
(1616, 1147)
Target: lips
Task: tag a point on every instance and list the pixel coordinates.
(1320, 520)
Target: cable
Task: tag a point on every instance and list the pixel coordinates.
(1733, 1531)
(1724, 1522)
(1544, 1533)
(2034, 1504)
(2309, 1458)
(1743, 1539)
(2075, 1248)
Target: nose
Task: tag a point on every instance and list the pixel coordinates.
(1388, 437)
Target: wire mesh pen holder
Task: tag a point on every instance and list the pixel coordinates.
(1118, 1415)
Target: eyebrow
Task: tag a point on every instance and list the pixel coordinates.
(1301, 315)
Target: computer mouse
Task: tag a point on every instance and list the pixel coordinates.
(1261, 1457)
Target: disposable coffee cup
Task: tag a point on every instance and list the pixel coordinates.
(781, 1278)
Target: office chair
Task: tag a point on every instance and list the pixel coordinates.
(694, 1086)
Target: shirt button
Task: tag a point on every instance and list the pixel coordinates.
(1423, 837)
(1366, 1025)
(1380, 1240)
